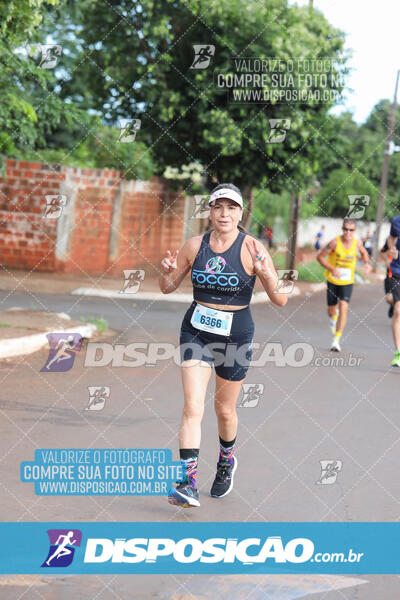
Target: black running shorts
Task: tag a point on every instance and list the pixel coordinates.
(231, 355)
(396, 288)
(338, 292)
(388, 283)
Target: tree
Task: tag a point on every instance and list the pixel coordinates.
(29, 107)
(99, 149)
(132, 60)
(333, 199)
(353, 164)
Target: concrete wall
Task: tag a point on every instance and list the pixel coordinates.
(309, 228)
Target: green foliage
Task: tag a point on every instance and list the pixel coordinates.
(29, 106)
(99, 322)
(133, 158)
(353, 164)
(278, 258)
(267, 206)
(332, 200)
(124, 59)
(311, 271)
(98, 149)
(350, 163)
(132, 60)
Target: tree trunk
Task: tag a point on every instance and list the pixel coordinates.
(249, 205)
(295, 207)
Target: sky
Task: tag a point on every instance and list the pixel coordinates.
(372, 30)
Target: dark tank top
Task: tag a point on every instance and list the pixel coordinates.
(221, 278)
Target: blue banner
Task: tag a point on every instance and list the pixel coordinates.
(217, 548)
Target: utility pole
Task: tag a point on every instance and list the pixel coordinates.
(385, 171)
(295, 206)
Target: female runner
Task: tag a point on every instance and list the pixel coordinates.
(217, 328)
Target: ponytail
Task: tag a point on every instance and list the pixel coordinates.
(243, 230)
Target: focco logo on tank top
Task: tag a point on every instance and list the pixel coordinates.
(221, 278)
(215, 265)
(213, 276)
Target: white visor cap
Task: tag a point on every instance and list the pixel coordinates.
(226, 193)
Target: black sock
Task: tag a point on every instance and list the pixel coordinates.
(185, 453)
(227, 444)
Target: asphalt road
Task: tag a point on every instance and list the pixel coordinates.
(307, 414)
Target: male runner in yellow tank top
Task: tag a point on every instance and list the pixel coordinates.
(339, 273)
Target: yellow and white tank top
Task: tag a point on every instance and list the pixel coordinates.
(345, 260)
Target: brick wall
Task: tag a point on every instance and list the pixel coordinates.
(108, 223)
(26, 239)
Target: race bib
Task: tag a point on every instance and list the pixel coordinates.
(212, 320)
(345, 274)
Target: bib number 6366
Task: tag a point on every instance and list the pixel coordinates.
(212, 321)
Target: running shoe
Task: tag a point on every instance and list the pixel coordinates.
(391, 311)
(335, 346)
(396, 360)
(184, 495)
(223, 482)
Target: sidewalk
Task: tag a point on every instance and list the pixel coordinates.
(67, 283)
(25, 331)
(110, 287)
(54, 283)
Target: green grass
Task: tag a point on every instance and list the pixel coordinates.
(4, 325)
(361, 275)
(278, 259)
(312, 272)
(100, 323)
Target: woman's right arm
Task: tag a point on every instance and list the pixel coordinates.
(175, 267)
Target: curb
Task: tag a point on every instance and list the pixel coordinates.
(83, 291)
(29, 344)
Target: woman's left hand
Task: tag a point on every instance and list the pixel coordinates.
(260, 258)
